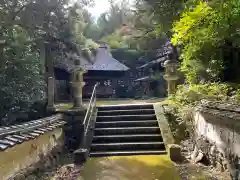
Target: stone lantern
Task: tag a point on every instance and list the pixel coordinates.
(77, 83)
(171, 74)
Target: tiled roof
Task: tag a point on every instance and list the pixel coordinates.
(159, 60)
(17, 134)
(103, 61)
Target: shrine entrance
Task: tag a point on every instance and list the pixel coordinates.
(105, 70)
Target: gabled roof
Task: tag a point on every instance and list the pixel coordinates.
(103, 61)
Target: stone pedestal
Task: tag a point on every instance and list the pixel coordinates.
(80, 156)
(50, 94)
(175, 152)
(171, 75)
(171, 86)
(77, 96)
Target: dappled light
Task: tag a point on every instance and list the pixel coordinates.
(124, 86)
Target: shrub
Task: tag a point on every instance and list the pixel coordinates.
(186, 98)
(192, 94)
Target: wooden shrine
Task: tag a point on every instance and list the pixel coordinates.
(106, 70)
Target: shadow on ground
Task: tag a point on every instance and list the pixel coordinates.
(65, 106)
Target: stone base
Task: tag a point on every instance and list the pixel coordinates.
(78, 108)
(51, 109)
(73, 135)
(80, 156)
(175, 152)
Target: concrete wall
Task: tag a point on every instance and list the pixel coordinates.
(218, 137)
(21, 156)
(226, 139)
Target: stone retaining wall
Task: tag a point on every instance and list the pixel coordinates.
(218, 136)
(17, 158)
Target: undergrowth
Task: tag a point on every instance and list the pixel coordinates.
(187, 97)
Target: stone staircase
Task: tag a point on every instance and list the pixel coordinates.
(126, 130)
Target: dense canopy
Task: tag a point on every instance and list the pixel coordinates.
(206, 32)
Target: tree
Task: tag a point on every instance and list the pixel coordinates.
(158, 15)
(208, 35)
(24, 26)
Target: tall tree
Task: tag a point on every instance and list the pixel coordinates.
(24, 26)
(208, 35)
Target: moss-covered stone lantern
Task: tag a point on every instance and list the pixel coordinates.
(171, 74)
(77, 83)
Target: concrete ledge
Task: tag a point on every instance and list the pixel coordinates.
(128, 104)
(217, 137)
(163, 124)
(227, 119)
(173, 150)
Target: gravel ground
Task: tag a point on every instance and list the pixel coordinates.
(187, 170)
(191, 171)
(65, 170)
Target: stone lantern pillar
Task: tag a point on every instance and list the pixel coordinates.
(50, 94)
(77, 84)
(47, 59)
(171, 74)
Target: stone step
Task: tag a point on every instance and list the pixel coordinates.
(128, 138)
(127, 153)
(141, 123)
(126, 130)
(126, 118)
(126, 112)
(123, 130)
(127, 146)
(125, 107)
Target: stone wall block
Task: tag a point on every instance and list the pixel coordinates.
(19, 176)
(218, 137)
(175, 152)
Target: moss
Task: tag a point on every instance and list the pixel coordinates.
(67, 106)
(130, 168)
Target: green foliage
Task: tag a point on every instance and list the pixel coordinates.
(191, 95)
(116, 40)
(185, 99)
(80, 22)
(24, 26)
(161, 13)
(206, 32)
(20, 81)
(127, 56)
(119, 14)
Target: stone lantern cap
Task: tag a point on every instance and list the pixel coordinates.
(170, 63)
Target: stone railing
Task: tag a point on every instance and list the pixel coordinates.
(217, 127)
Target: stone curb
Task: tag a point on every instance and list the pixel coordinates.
(173, 150)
